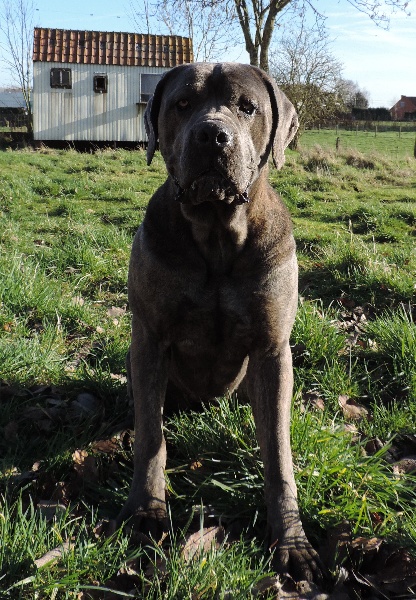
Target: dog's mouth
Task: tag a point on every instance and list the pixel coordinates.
(209, 186)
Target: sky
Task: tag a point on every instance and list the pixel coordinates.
(381, 62)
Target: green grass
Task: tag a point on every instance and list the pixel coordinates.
(66, 225)
(391, 144)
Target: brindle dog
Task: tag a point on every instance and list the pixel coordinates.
(213, 282)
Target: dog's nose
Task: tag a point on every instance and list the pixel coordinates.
(213, 135)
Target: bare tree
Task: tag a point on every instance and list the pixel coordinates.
(352, 95)
(207, 22)
(16, 24)
(380, 11)
(308, 73)
(256, 19)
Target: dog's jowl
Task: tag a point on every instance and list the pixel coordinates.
(213, 283)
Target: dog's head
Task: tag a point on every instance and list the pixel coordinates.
(217, 125)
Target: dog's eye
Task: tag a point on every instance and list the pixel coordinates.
(247, 107)
(182, 104)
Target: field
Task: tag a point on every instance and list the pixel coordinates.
(395, 145)
(66, 225)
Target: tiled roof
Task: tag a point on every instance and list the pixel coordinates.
(110, 48)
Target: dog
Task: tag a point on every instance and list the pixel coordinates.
(213, 283)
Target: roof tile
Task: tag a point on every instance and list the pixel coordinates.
(110, 48)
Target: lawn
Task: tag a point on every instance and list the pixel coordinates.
(66, 224)
(390, 144)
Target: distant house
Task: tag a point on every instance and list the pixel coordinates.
(404, 109)
(12, 108)
(94, 86)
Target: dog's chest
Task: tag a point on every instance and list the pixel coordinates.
(211, 338)
(215, 314)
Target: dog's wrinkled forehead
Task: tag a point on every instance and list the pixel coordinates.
(220, 84)
(214, 84)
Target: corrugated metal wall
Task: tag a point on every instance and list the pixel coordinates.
(80, 114)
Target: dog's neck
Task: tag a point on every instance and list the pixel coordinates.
(219, 230)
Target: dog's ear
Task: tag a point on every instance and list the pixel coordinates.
(151, 131)
(287, 126)
(285, 121)
(151, 116)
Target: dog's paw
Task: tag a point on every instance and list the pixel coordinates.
(295, 555)
(145, 526)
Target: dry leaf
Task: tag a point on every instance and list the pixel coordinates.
(399, 566)
(339, 538)
(367, 545)
(314, 400)
(404, 466)
(268, 584)
(115, 312)
(351, 409)
(118, 377)
(373, 445)
(85, 465)
(202, 541)
(105, 446)
(196, 464)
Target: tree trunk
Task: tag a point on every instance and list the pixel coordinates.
(258, 43)
(274, 10)
(243, 17)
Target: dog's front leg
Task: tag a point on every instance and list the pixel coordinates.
(269, 383)
(146, 505)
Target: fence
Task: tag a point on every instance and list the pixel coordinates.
(374, 126)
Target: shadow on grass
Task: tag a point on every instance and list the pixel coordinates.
(330, 285)
(50, 430)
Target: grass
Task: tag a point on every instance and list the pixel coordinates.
(66, 224)
(390, 144)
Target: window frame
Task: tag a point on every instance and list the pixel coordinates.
(100, 89)
(64, 77)
(149, 90)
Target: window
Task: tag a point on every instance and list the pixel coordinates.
(148, 83)
(100, 83)
(61, 78)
